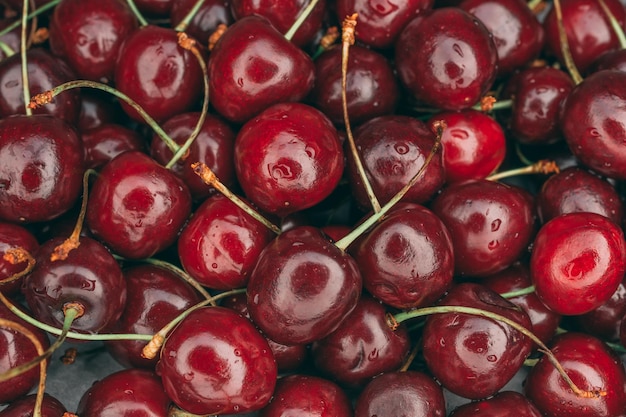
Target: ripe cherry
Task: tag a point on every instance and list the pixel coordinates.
(24, 407)
(604, 322)
(211, 14)
(503, 404)
(105, 142)
(14, 237)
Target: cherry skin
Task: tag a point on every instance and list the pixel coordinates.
(503, 404)
(363, 346)
(98, 108)
(14, 237)
(393, 394)
(24, 407)
(578, 260)
(449, 68)
(105, 142)
(591, 365)
(604, 322)
(137, 206)
(211, 14)
(302, 287)
(89, 38)
(161, 76)
(476, 349)
(288, 158)
(126, 392)
(155, 8)
(216, 362)
(41, 168)
(253, 66)
(491, 224)
(307, 396)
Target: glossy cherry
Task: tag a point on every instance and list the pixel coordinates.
(577, 262)
(137, 206)
(302, 287)
(604, 322)
(41, 168)
(253, 67)
(216, 362)
(14, 237)
(23, 407)
(503, 404)
(211, 14)
(105, 142)
(288, 158)
(98, 108)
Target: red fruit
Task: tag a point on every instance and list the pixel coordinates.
(105, 142)
(14, 237)
(503, 404)
(211, 14)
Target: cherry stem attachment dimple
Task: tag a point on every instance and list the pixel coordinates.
(565, 49)
(617, 29)
(182, 26)
(300, 20)
(543, 166)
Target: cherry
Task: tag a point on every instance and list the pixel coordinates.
(591, 365)
(503, 404)
(14, 237)
(154, 297)
(89, 38)
(11, 38)
(517, 33)
(362, 347)
(97, 109)
(473, 143)
(216, 362)
(604, 322)
(125, 392)
(221, 243)
(476, 349)
(41, 168)
(307, 396)
(393, 394)
(136, 206)
(161, 76)
(105, 142)
(155, 8)
(288, 158)
(491, 224)
(253, 66)
(89, 276)
(446, 58)
(23, 407)
(211, 14)
(577, 262)
(613, 59)
(592, 122)
(302, 287)
(577, 190)
(392, 149)
(371, 85)
(380, 22)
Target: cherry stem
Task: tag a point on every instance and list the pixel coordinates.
(409, 360)
(617, 347)
(216, 35)
(523, 158)
(517, 293)
(174, 411)
(536, 5)
(183, 275)
(190, 44)
(543, 166)
(347, 39)
(395, 320)
(209, 178)
(182, 26)
(142, 20)
(33, 14)
(617, 29)
(347, 240)
(47, 96)
(331, 36)
(17, 256)
(25, 82)
(494, 105)
(565, 50)
(42, 365)
(154, 345)
(6, 49)
(530, 362)
(300, 20)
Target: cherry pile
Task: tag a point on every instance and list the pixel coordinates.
(314, 208)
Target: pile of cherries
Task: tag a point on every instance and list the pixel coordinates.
(287, 207)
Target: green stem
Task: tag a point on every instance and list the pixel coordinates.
(182, 274)
(182, 26)
(520, 292)
(25, 81)
(617, 347)
(617, 29)
(565, 50)
(33, 14)
(142, 20)
(6, 49)
(498, 105)
(300, 20)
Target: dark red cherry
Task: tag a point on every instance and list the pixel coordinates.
(446, 58)
(393, 149)
(503, 404)
(480, 354)
(253, 67)
(538, 94)
(214, 146)
(161, 76)
(371, 85)
(516, 31)
(221, 244)
(14, 237)
(473, 143)
(98, 108)
(24, 407)
(589, 32)
(89, 36)
(362, 347)
(282, 15)
(394, 394)
(380, 22)
(407, 259)
(491, 224)
(288, 158)
(137, 206)
(89, 276)
(592, 366)
(604, 322)
(211, 14)
(41, 168)
(155, 296)
(614, 59)
(307, 396)
(577, 262)
(593, 119)
(577, 190)
(216, 362)
(302, 287)
(105, 142)
(155, 8)
(123, 393)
